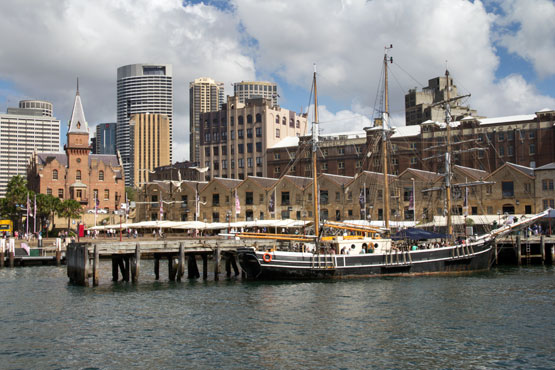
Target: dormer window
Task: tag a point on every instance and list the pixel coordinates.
(55, 175)
(78, 124)
(101, 175)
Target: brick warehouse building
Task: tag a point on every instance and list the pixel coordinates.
(484, 143)
(77, 174)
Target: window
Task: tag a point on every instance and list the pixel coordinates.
(249, 118)
(277, 170)
(215, 217)
(259, 147)
(277, 120)
(55, 175)
(258, 132)
(340, 151)
(241, 148)
(507, 189)
(548, 203)
(240, 120)
(358, 164)
(249, 162)
(527, 187)
(216, 150)
(249, 147)
(259, 161)
(61, 193)
(241, 163)
(324, 197)
(291, 122)
(276, 155)
(284, 121)
(249, 198)
(298, 125)
(231, 120)
(547, 184)
(324, 166)
(258, 118)
(489, 189)
(510, 135)
(240, 134)
(510, 150)
(532, 135)
(501, 151)
(341, 165)
(337, 196)
(501, 136)
(249, 133)
(78, 175)
(48, 191)
(207, 137)
(106, 194)
(277, 132)
(285, 198)
(532, 149)
(215, 199)
(232, 135)
(413, 160)
(101, 175)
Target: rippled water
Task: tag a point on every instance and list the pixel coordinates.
(501, 319)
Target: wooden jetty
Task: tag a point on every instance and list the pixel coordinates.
(82, 259)
(525, 249)
(15, 256)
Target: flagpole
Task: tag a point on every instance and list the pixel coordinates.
(413, 202)
(95, 207)
(35, 216)
(27, 218)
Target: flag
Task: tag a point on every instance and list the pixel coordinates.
(237, 204)
(28, 213)
(96, 203)
(411, 201)
(161, 210)
(271, 203)
(35, 216)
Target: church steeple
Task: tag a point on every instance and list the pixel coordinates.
(78, 123)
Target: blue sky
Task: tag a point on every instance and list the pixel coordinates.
(499, 51)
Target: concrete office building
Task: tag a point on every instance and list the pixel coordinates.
(105, 138)
(23, 131)
(150, 133)
(141, 88)
(234, 139)
(256, 89)
(205, 95)
(419, 105)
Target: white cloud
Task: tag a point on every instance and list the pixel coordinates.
(341, 121)
(47, 44)
(534, 37)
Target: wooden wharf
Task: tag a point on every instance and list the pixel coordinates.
(83, 259)
(13, 256)
(525, 249)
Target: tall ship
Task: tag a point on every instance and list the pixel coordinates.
(344, 250)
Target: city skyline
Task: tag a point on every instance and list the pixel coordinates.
(499, 52)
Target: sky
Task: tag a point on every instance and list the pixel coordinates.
(499, 51)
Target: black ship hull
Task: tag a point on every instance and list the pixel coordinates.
(299, 266)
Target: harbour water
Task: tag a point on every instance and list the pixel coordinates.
(504, 318)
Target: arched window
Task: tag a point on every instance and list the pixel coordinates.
(101, 175)
(258, 118)
(291, 122)
(284, 121)
(78, 175)
(277, 119)
(249, 118)
(240, 120)
(55, 175)
(298, 124)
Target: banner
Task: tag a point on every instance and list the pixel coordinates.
(237, 204)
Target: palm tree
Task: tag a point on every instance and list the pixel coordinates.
(69, 208)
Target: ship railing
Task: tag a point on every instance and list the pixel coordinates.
(323, 261)
(395, 258)
(462, 251)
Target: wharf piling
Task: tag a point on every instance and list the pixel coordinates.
(83, 259)
(525, 249)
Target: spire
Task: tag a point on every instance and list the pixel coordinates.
(78, 123)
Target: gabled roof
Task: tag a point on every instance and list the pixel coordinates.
(78, 123)
(264, 182)
(228, 183)
(338, 179)
(108, 159)
(300, 182)
(549, 166)
(474, 173)
(377, 177)
(46, 157)
(522, 169)
(422, 175)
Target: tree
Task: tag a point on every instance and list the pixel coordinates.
(69, 208)
(16, 199)
(131, 193)
(47, 206)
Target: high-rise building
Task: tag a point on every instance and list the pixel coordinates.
(256, 89)
(421, 106)
(39, 106)
(151, 132)
(205, 95)
(142, 88)
(106, 138)
(234, 139)
(23, 131)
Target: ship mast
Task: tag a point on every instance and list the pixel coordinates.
(448, 159)
(314, 159)
(385, 129)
